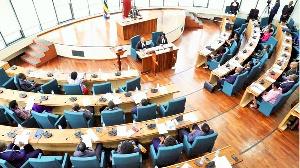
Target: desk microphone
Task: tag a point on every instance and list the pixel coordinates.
(70, 136)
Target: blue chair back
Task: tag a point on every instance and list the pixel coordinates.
(79, 162)
(243, 27)
(3, 77)
(233, 48)
(253, 72)
(50, 86)
(169, 155)
(72, 89)
(12, 115)
(76, 119)
(146, 112)
(43, 120)
(290, 25)
(263, 60)
(133, 84)
(214, 64)
(10, 84)
(16, 81)
(203, 144)
(238, 23)
(274, 26)
(227, 9)
(44, 163)
(126, 160)
(264, 22)
(133, 41)
(3, 117)
(154, 37)
(175, 106)
(113, 117)
(5, 164)
(238, 84)
(102, 88)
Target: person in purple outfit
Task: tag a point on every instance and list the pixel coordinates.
(205, 130)
(163, 141)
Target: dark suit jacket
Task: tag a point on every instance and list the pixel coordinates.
(291, 71)
(287, 11)
(139, 46)
(231, 78)
(275, 8)
(286, 86)
(159, 41)
(26, 85)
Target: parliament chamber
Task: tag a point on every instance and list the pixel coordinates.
(149, 83)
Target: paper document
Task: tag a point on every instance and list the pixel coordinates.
(29, 103)
(277, 70)
(190, 117)
(129, 133)
(117, 100)
(162, 128)
(163, 90)
(170, 125)
(270, 79)
(23, 138)
(108, 96)
(256, 90)
(121, 131)
(86, 102)
(186, 165)
(92, 135)
(260, 87)
(80, 75)
(222, 162)
(139, 96)
(87, 139)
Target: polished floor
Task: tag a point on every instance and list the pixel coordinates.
(249, 131)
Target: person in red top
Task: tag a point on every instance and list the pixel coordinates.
(266, 35)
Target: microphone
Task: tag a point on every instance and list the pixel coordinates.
(70, 136)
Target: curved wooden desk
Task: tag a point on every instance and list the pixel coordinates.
(62, 102)
(223, 70)
(66, 141)
(40, 76)
(225, 34)
(255, 89)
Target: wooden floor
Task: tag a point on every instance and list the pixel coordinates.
(248, 130)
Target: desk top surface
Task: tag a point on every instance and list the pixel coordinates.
(128, 21)
(158, 50)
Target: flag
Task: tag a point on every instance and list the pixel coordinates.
(105, 8)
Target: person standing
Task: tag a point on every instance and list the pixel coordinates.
(274, 11)
(234, 7)
(286, 12)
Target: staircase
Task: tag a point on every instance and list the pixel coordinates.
(40, 52)
(192, 21)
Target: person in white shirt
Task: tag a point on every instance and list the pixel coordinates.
(73, 79)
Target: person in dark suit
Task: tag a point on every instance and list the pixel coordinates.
(234, 7)
(287, 85)
(262, 52)
(82, 151)
(191, 135)
(144, 102)
(17, 155)
(216, 57)
(134, 12)
(230, 79)
(293, 70)
(274, 11)
(286, 12)
(27, 85)
(248, 66)
(141, 45)
(162, 39)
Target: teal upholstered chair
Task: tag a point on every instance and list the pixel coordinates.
(241, 29)
(213, 64)
(3, 117)
(133, 41)
(79, 162)
(264, 22)
(155, 36)
(253, 72)
(29, 123)
(238, 84)
(272, 41)
(77, 120)
(201, 145)
(133, 160)
(175, 106)
(238, 23)
(48, 120)
(145, 112)
(267, 108)
(131, 85)
(232, 51)
(102, 88)
(112, 117)
(3, 77)
(50, 161)
(5, 164)
(50, 86)
(291, 26)
(227, 9)
(72, 89)
(166, 156)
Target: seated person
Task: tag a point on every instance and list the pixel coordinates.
(248, 66)
(191, 135)
(216, 57)
(74, 80)
(17, 155)
(229, 42)
(82, 151)
(262, 52)
(134, 12)
(293, 70)
(288, 84)
(141, 45)
(144, 102)
(296, 41)
(163, 141)
(27, 85)
(162, 39)
(270, 27)
(266, 35)
(127, 147)
(20, 111)
(111, 106)
(270, 96)
(87, 114)
(230, 79)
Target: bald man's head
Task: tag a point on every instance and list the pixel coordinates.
(142, 39)
(293, 64)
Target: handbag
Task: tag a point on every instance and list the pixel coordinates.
(209, 87)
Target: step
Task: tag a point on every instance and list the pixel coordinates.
(30, 60)
(38, 48)
(42, 41)
(34, 54)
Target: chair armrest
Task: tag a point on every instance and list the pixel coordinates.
(141, 161)
(112, 160)
(124, 118)
(90, 123)
(103, 160)
(153, 154)
(9, 84)
(61, 121)
(186, 142)
(25, 165)
(162, 108)
(122, 89)
(133, 53)
(30, 123)
(40, 155)
(66, 162)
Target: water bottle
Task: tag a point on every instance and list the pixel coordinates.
(103, 125)
(217, 153)
(156, 121)
(55, 70)
(128, 67)
(52, 92)
(20, 127)
(157, 86)
(99, 70)
(60, 128)
(136, 89)
(202, 160)
(89, 71)
(134, 123)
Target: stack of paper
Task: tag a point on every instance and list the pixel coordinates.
(190, 117)
(170, 125)
(222, 162)
(86, 102)
(277, 70)
(23, 138)
(162, 128)
(108, 96)
(92, 135)
(87, 139)
(117, 100)
(163, 90)
(129, 133)
(104, 77)
(255, 89)
(259, 86)
(121, 131)
(29, 103)
(270, 79)
(139, 96)
(186, 165)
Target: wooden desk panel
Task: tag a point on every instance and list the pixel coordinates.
(226, 151)
(66, 141)
(293, 112)
(62, 102)
(62, 78)
(126, 30)
(4, 65)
